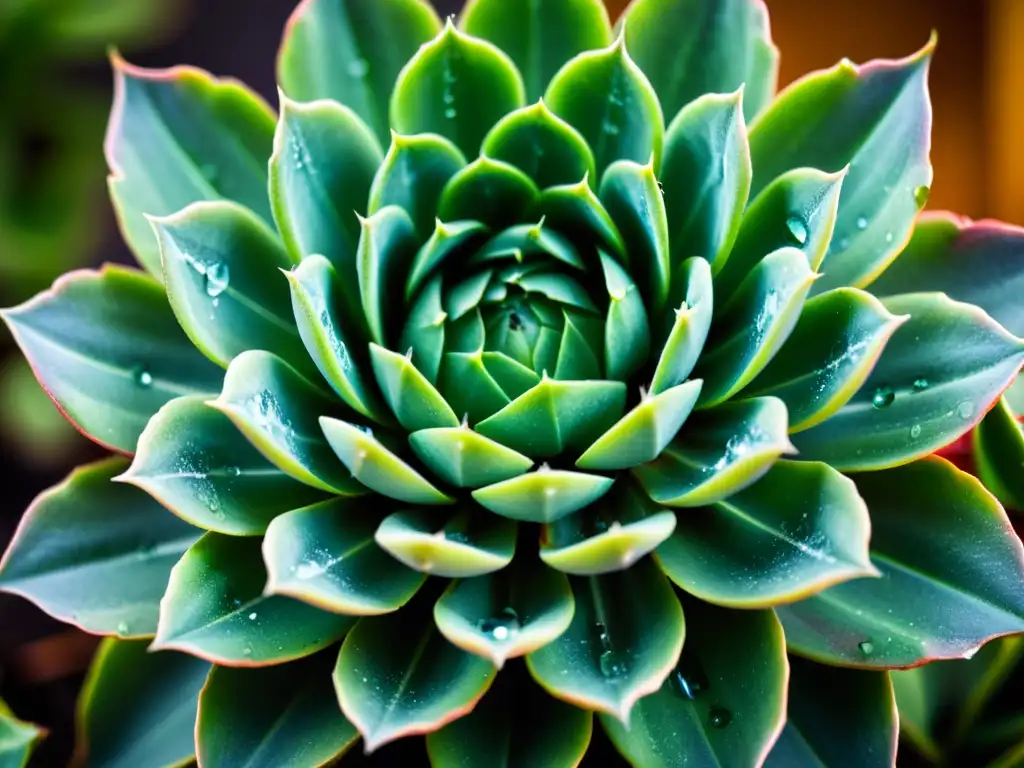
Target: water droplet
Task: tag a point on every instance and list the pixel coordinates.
(450, 113)
(358, 68)
(502, 627)
(888, 237)
(797, 229)
(862, 223)
(915, 431)
(866, 647)
(217, 278)
(921, 195)
(142, 376)
(233, 471)
(247, 651)
(883, 397)
(689, 678)
(252, 616)
(965, 410)
(920, 385)
(122, 627)
(610, 128)
(719, 717)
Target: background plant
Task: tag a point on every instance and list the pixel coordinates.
(543, 284)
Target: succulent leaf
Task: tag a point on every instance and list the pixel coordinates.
(705, 174)
(836, 342)
(139, 707)
(465, 459)
(491, 191)
(18, 739)
(689, 324)
(617, 649)
(215, 608)
(689, 48)
(193, 461)
(516, 725)
(798, 530)
(331, 50)
(998, 445)
(326, 555)
(457, 86)
(412, 176)
(874, 118)
(604, 95)
(179, 136)
(272, 716)
(718, 706)
(386, 250)
(857, 730)
(722, 452)
(936, 537)
(447, 241)
(543, 496)
(96, 553)
(397, 675)
(413, 399)
(456, 546)
(506, 614)
(220, 268)
(575, 208)
(918, 398)
(278, 411)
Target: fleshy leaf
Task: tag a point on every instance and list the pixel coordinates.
(215, 608)
(465, 459)
(998, 444)
(856, 730)
(611, 535)
(507, 614)
(605, 96)
(108, 350)
(376, 467)
(221, 268)
(18, 739)
(631, 194)
(722, 451)
(325, 555)
(723, 704)
(455, 546)
(543, 496)
(977, 263)
(332, 49)
(951, 573)
(412, 176)
(179, 136)
(468, 386)
(458, 86)
(556, 415)
(447, 240)
(877, 119)
(398, 676)
(387, 247)
(95, 553)
(836, 342)
(193, 461)
(692, 303)
(270, 717)
(538, 142)
(689, 48)
(797, 210)
(576, 209)
(642, 434)
(798, 530)
(754, 324)
(627, 333)
(516, 725)
(938, 375)
(705, 174)
(329, 336)
(539, 37)
(278, 411)
(491, 191)
(323, 165)
(139, 708)
(617, 648)
(412, 398)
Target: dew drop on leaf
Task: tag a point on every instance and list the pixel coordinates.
(358, 68)
(866, 647)
(122, 628)
(247, 651)
(920, 385)
(233, 471)
(862, 223)
(921, 195)
(689, 679)
(883, 397)
(502, 627)
(142, 377)
(965, 410)
(217, 278)
(450, 113)
(719, 717)
(797, 229)
(915, 431)
(252, 616)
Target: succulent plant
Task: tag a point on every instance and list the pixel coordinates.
(17, 739)
(551, 390)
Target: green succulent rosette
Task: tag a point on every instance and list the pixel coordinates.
(505, 378)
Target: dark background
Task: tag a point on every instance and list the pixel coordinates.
(41, 661)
